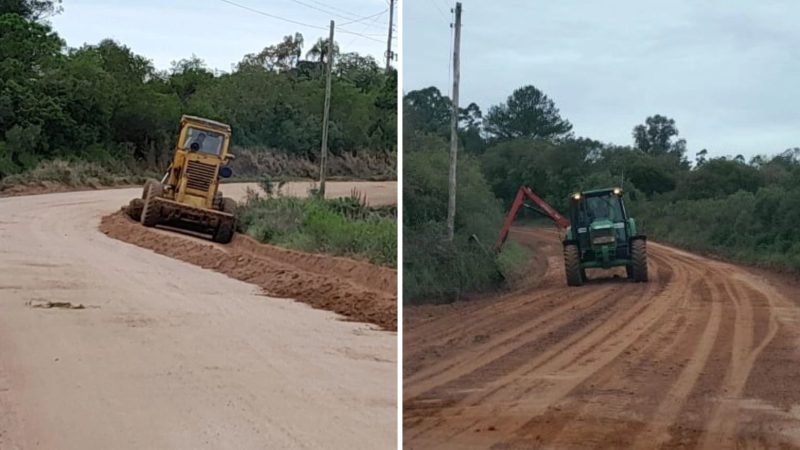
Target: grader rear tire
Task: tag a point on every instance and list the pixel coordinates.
(151, 213)
(639, 263)
(146, 188)
(572, 264)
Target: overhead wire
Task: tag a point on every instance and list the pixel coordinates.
(297, 22)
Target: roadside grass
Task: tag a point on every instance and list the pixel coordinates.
(71, 174)
(343, 226)
(513, 261)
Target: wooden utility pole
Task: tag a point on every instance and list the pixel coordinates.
(323, 162)
(389, 53)
(451, 200)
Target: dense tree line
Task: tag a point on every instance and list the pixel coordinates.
(726, 205)
(105, 103)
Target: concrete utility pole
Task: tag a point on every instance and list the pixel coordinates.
(389, 53)
(451, 200)
(323, 163)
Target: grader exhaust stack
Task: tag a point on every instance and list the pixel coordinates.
(188, 196)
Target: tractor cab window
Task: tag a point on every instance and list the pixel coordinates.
(204, 141)
(603, 207)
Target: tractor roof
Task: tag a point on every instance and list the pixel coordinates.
(213, 124)
(594, 192)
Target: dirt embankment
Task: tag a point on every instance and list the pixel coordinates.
(358, 290)
(705, 355)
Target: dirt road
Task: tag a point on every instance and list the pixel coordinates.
(704, 356)
(165, 354)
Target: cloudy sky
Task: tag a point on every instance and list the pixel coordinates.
(728, 72)
(218, 31)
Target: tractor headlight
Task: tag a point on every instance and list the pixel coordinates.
(617, 191)
(601, 240)
(576, 196)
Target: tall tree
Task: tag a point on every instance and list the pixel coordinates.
(319, 51)
(30, 9)
(657, 136)
(426, 110)
(527, 113)
(280, 57)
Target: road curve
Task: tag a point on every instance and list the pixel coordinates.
(705, 355)
(166, 354)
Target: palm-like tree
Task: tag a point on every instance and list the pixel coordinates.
(319, 51)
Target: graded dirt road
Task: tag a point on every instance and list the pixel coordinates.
(705, 355)
(165, 354)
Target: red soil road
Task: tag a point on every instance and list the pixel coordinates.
(705, 355)
(166, 354)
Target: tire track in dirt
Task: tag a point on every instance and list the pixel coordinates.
(664, 364)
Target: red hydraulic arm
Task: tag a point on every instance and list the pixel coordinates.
(522, 193)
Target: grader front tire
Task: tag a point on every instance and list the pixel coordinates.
(135, 208)
(151, 213)
(228, 205)
(224, 231)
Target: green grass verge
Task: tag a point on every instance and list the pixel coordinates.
(343, 227)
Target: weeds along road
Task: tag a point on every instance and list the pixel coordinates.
(705, 355)
(166, 354)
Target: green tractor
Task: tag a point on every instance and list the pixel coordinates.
(601, 235)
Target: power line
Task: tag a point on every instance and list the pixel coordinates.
(272, 15)
(296, 22)
(352, 19)
(366, 18)
(436, 5)
(333, 8)
(324, 10)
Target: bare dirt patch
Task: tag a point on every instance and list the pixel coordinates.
(703, 356)
(357, 290)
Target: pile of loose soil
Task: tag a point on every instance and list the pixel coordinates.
(358, 290)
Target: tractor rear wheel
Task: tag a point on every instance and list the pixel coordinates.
(224, 232)
(151, 212)
(572, 264)
(639, 257)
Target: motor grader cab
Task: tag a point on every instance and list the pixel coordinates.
(601, 235)
(597, 234)
(188, 196)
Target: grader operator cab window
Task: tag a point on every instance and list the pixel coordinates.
(204, 141)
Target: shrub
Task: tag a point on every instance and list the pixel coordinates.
(321, 225)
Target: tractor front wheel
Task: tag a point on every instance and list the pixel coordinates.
(639, 263)
(572, 264)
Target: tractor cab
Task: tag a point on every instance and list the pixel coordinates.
(599, 225)
(601, 235)
(597, 234)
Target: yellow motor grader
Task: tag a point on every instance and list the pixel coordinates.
(188, 196)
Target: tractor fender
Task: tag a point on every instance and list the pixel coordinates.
(638, 237)
(567, 242)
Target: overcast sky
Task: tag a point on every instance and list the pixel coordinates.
(218, 32)
(728, 72)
